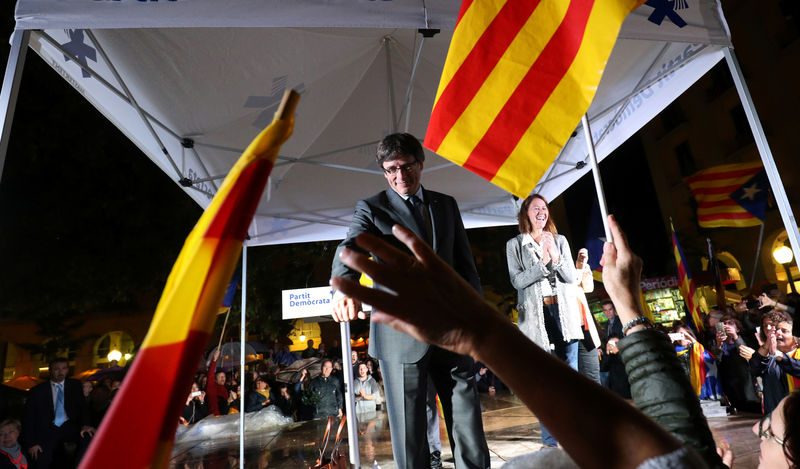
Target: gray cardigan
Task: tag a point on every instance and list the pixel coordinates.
(526, 271)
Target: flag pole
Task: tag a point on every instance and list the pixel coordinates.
(242, 337)
(789, 221)
(349, 398)
(758, 253)
(598, 184)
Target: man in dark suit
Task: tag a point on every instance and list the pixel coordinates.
(407, 363)
(614, 325)
(55, 413)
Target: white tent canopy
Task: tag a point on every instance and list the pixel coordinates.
(191, 83)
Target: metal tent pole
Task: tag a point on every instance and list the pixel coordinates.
(349, 398)
(242, 337)
(789, 221)
(8, 95)
(598, 184)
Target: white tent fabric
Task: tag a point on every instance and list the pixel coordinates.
(191, 83)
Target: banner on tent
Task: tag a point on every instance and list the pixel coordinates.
(307, 302)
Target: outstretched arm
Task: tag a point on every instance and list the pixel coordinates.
(433, 304)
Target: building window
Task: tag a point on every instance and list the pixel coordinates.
(672, 116)
(683, 153)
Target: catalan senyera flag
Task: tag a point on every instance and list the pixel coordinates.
(794, 383)
(518, 77)
(730, 195)
(138, 430)
(685, 282)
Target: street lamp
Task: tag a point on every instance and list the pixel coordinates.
(114, 355)
(783, 255)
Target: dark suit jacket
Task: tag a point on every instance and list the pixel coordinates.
(376, 215)
(40, 412)
(614, 328)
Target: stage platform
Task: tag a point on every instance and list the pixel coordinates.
(511, 429)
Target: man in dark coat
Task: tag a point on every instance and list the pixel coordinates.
(56, 414)
(405, 362)
(328, 389)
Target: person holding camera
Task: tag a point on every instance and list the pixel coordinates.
(196, 408)
(738, 385)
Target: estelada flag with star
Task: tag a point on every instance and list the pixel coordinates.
(730, 195)
(518, 77)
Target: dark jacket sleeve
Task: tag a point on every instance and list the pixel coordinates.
(35, 416)
(253, 402)
(758, 364)
(790, 366)
(662, 391)
(362, 222)
(463, 261)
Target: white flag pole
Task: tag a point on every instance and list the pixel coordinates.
(789, 221)
(598, 184)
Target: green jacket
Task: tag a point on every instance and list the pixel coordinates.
(661, 390)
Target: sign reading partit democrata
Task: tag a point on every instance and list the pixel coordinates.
(307, 302)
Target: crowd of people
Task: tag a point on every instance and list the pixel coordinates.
(297, 395)
(432, 334)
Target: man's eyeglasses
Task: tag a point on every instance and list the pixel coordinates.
(765, 430)
(406, 168)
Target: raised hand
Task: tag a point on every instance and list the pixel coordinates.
(432, 302)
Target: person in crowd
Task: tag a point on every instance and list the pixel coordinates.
(406, 362)
(306, 398)
(374, 371)
(431, 302)
(354, 362)
(335, 351)
(777, 360)
(322, 353)
(285, 357)
(327, 388)
(235, 399)
(708, 338)
(487, 381)
(366, 390)
(87, 387)
(259, 397)
(286, 401)
(217, 395)
(612, 364)
(56, 414)
(588, 347)
(698, 363)
(614, 325)
(779, 432)
(309, 352)
(11, 454)
(99, 401)
(196, 408)
(540, 266)
(738, 384)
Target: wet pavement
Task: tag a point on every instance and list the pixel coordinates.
(511, 429)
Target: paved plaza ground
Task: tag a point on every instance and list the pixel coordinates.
(511, 430)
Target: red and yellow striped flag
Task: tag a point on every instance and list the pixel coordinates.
(685, 282)
(518, 77)
(138, 430)
(733, 195)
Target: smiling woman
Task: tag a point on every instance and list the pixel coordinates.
(540, 266)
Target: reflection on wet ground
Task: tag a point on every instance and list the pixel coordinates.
(510, 429)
